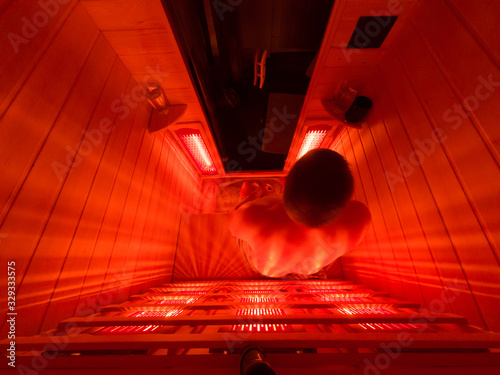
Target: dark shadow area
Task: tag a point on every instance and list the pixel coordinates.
(219, 40)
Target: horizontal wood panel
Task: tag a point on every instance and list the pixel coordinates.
(263, 340)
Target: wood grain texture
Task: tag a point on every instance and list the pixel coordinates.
(79, 169)
(431, 130)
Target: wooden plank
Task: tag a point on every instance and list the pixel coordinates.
(141, 41)
(24, 43)
(83, 242)
(333, 318)
(142, 268)
(22, 131)
(450, 340)
(123, 239)
(59, 229)
(103, 252)
(163, 232)
(480, 21)
(126, 15)
(31, 190)
(280, 304)
(140, 219)
(453, 178)
(401, 126)
(380, 228)
(470, 83)
(278, 360)
(396, 239)
(422, 259)
(372, 268)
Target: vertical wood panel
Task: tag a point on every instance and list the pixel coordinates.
(444, 191)
(74, 231)
(24, 41)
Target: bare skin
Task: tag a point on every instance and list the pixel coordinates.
(280, 246)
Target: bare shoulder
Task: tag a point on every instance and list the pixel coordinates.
(250, 216)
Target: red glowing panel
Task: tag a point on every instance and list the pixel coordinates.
(258, 291)
(195, 145)
(355, 310)
(262, 328)
(313, 139)
(345, 297)
(259, 299)
(324, 290)
(193, 292)
(393, 327)
(154, 314)
(260, 312)
(173, 300)
(127, 330)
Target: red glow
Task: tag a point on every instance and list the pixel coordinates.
(195, 145)
(324, 290)
(177, 300)
(262, 328)
(397, 327)
(258, 291)
(313, 139)
(354, 310)
(260, 312)
(344, 297)
(259, 299)
(155, 314)
(127, 330)
(193, 292)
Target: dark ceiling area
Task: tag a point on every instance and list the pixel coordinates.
(219, 39)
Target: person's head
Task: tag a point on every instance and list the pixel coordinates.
(317, 188)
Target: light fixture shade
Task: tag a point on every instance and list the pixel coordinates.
(313, 138)
(155, 96)
(197, 149)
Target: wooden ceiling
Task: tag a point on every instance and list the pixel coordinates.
(142, 37)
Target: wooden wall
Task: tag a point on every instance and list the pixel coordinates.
(426, 162)
(90, 202)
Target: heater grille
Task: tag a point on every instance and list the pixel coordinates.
(127, 330)
(393, 327)
(354, 310)
(195, 145)
(270, 328)
(260, 312)
(344, 298)
(258, 291)
(155, 314)
(259, 299)
(173, 300)
(313, 139)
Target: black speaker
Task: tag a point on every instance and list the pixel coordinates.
(358, 110)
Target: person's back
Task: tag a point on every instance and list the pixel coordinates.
(298, 233)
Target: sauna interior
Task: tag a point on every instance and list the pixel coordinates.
(113, 214)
